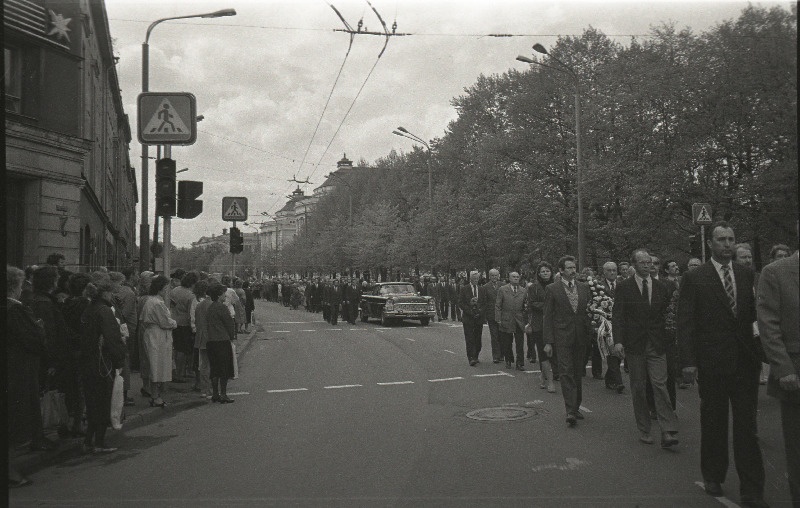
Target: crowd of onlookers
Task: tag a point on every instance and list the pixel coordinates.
(74, 333)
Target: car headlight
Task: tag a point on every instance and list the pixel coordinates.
(389, 305)
(431, 306)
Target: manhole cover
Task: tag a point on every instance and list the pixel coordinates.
(503, 414)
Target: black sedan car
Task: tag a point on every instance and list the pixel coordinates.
(395, 301)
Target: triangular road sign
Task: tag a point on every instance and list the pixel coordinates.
(165, 120)
(703, 216)
(234, 209)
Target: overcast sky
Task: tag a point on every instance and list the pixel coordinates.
(262, 78)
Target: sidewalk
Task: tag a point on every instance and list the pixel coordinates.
(179, 397)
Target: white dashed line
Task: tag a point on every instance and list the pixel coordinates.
(585, 409)
(451, 352)
(444, 379)
(412, 340)
(308, 330)
(724, 500)
(533, 371)
(383, 328)
(282, 331)
(396, 383)
(493, 375)
(288, 390)
(341, 386)
(239, 393)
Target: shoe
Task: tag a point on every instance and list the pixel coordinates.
(653, 415)
(571, 420)
(597, 377)
(713, 489)
(178, 380)
(226, 400)
(520, 367)
(495, 361)
(509, 365)
(762, 381)
(473, 363)
(646, 438)
(754, 502)
(145, 393)
(104, 449)
(21, 482)
(162, 404)
(611, 387)
(87, 449)
(684, 386)
(579, 416)
(620, 388)
(668, 439)
(129, 402)
(215, 398)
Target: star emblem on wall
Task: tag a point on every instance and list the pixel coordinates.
(60, 27)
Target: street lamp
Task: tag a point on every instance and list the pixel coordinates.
(403, 132)
(349, 194)
(144, 227)
(578, 163)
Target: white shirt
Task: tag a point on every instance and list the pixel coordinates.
(718, 268)
(612, 284)
(649, 286)
(567, 283)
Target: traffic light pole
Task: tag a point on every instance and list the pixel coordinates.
(233, 256)
(167, 225)
(703, 242)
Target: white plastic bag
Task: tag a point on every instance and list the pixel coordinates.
(117, 401)
(235, 362)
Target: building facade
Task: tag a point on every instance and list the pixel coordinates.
(70, 187)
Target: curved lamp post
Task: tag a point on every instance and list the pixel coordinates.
(562, 67)
(144, 227)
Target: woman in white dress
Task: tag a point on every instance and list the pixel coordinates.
(157, 336)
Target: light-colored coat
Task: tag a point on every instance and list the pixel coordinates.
(157, 326)
(509, 308)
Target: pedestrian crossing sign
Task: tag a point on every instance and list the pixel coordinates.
(234, 209)
(167, 118)
(701, 213)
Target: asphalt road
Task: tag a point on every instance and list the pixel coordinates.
(367, 415)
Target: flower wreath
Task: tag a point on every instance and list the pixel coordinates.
(600, 309)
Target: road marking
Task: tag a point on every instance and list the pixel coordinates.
(383, 328)
(288, 390)
(396, 383)
(289, 323)
(451, 352)
(533, 371)
(722, 499)
(341, 386)
(239, 393)
(337, 329)
(281, 331)
(308, 330)
(586, 409)
(445, 379)
(493, 375)
(358, 329)
(412, 340)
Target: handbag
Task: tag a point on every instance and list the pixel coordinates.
(235, 362)
(117, 401)
(54, 409)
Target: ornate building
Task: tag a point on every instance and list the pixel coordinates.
(70, 187)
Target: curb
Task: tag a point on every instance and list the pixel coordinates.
(32, 462)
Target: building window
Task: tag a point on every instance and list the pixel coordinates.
(13, 78)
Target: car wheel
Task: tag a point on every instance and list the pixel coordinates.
(424, 321)
(384, 320)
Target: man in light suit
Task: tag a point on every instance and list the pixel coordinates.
(565, 324)
(716, 310)
(613, 375)
(486, 301)
(509, 312)
(779, 325)
(639, 325)
(471, 317)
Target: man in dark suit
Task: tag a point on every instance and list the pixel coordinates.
(334, 301)
(639, 325)
(452, 296)
(509, 312)
(609, 281)
(440, 293)
(351, 297)
(565, 323)
(779, 325)
(471, 317)
(486, 300)
(716, 310)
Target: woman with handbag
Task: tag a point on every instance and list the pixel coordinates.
(102, 351)
(157, 325)
(220, 327)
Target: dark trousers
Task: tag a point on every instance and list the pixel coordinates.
(518, 339)
(353, 311)
(739, 391)
(455, 311)
(472, 337)
(790, 418)
(334, 313)
(613, 373)
(345, 311)
(593, 352)
(571, 368)
(442, 306)
(536, 347)
(326, 312)
(494, 333)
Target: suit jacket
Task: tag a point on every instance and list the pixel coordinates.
(439, 291)
(351, 294)
(464, 302)
(487, 296)
(607, 289)
(509, 308)
(778, 322)
(635, 321)
(560, 324)
(453, 292)
(709, 335)
(335, 295)
(536, 305)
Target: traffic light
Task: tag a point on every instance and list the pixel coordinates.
(695, 249)
(189, 206)
(237, 241)
(165, 187)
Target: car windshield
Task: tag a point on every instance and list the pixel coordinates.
(397, 289)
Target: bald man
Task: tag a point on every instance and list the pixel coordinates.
(486, 301)
(509, 312)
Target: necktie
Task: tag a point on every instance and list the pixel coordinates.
(645, 293)
(515, 289)
(728, 283)
(474, 291)
(573, 296)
